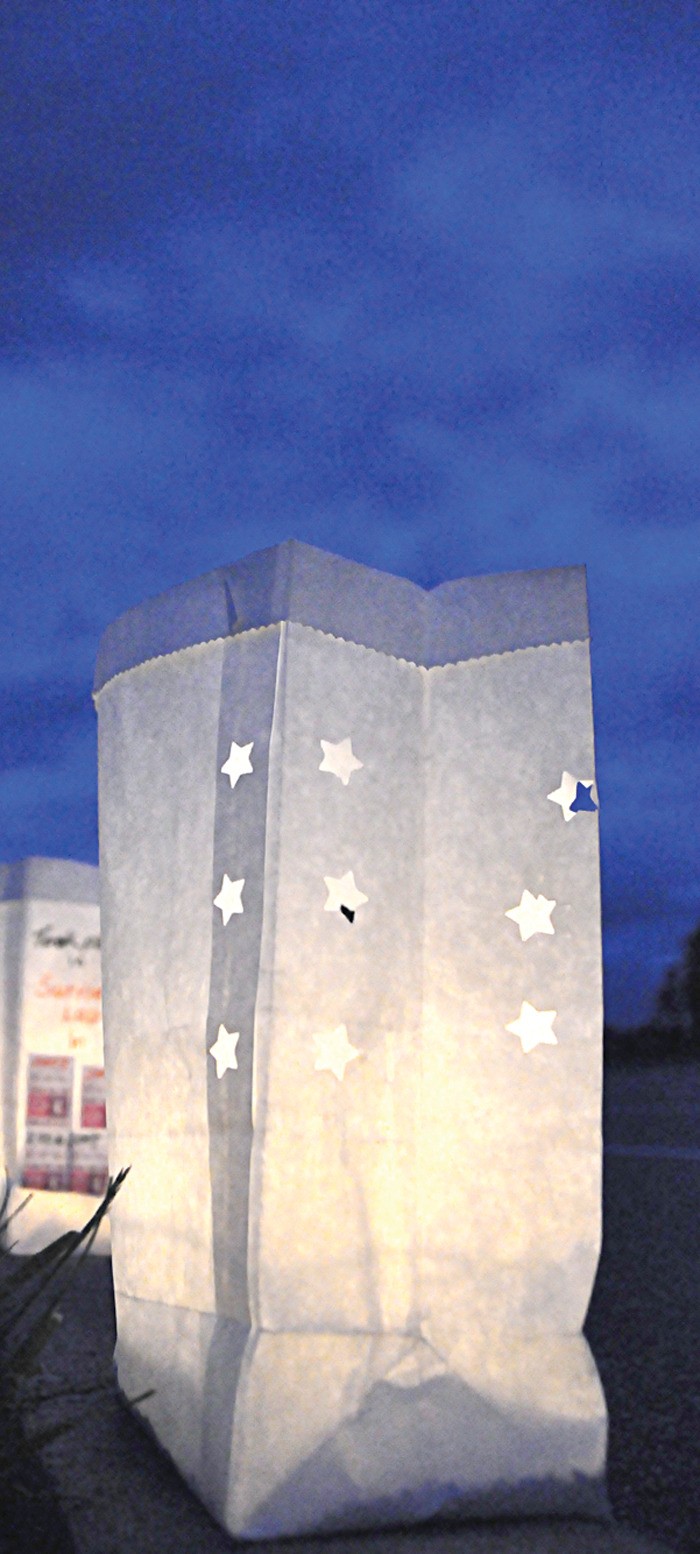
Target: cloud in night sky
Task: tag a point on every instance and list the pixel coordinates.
(418, 284)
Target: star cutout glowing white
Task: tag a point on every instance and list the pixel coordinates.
(238, 762)
(339, 760)
(534, 1026)
(566, 793)
(229, 898)
(224, 1050)
(532, 915)
(335, 1051)
(343, 892)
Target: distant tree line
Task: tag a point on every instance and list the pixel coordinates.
(673, 1032)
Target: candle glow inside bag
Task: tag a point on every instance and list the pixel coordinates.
(353, 1034)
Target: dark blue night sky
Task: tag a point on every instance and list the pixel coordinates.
(418, 283)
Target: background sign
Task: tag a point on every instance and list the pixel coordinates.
(62, 1114)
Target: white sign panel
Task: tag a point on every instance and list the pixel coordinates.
(61, 1098)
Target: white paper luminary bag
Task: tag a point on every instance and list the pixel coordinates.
(353, 1026)
(53, 1128)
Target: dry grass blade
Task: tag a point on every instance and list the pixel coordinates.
(19, 1365)
(52, 1258)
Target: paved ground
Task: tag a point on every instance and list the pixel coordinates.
(121, 1495)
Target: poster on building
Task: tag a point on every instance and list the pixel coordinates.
(46, 1159)
(88, 1167)
(93, 1106)
(49, 1090)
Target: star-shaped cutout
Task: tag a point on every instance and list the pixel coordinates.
(339, 760)
(224, 1050)
(229, 898)
(567, 794)
(534, 1026)
(343, 892)
(238, 762)
(335, 1051)
(532, 915)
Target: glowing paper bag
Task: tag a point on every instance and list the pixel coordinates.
(350, 902)
(52, 1125)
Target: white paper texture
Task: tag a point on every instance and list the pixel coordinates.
(392, 1266)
